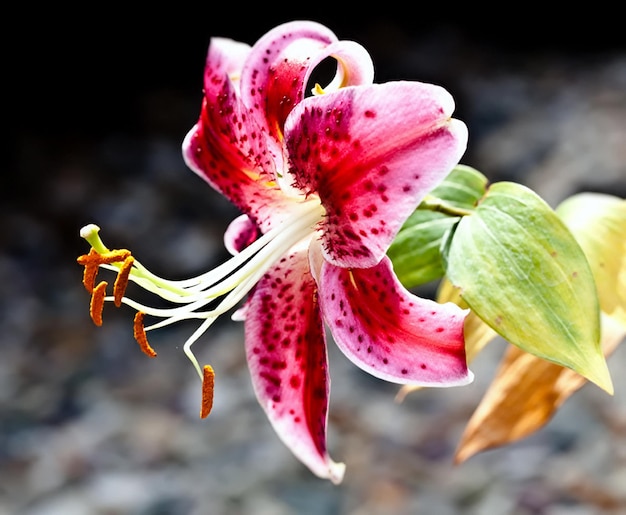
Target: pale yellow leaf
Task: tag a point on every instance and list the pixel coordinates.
(598, 222)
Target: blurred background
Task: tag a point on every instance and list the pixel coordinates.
(98, 104)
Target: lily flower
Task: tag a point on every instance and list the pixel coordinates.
(324, 181)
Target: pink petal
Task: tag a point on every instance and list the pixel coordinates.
(227, 147)
(236, 145)
(390, 333)
(240, 233)
(372, 153)
(354, 65)
(225, 56)
(275, 76)
(286, 350)
(224, 118)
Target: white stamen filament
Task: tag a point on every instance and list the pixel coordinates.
(231, 280)
(186, 287)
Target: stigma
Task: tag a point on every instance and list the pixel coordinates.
(204, 298)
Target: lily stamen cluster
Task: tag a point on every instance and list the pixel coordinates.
(232, 280)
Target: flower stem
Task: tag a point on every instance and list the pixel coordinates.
(436, 204)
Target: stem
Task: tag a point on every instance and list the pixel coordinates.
(436, 204)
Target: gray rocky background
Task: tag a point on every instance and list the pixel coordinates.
(89, 425)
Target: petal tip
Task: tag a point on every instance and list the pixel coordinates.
(458, 380)
(468, 379)
(336, 472)
(460, 131)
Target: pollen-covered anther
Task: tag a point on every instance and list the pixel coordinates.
(121, 281)
(114, 256)
(140, 335)
(91, 269)
(208, 385)
(94, 259)
(97, 302)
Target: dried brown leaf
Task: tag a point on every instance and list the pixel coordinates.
(524, 396)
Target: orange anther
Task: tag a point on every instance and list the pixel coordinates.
(91, 269)
(140, 335)
(208, 385)
(121, 281)
(97, 302)
(87, 258)
(93, 260)
(114, 256)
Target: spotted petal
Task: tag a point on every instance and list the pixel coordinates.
(227, 148)
(275, 76)
(240, 233)
(236, 145)
(372, 153)
(390, 333)
(286, 351)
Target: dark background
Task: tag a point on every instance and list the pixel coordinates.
(87, 73)
(73, 64)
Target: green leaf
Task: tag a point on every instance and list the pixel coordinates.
(520, 270)
(415, 253)
(463, 187)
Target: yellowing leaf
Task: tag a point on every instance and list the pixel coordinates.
(522, 272)
(527, 391)
(524, 395)
(598, 222)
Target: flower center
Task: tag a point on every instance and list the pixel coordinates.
(223, 287)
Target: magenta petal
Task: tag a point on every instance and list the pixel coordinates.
(240, 233)
(286, 351)
(227, 147)
(225, 124)
(274, 77)
(225, 56)
(390, 333)
(371, 153)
